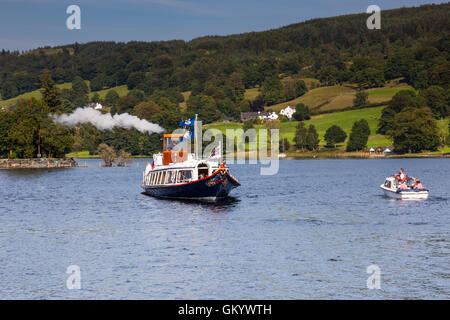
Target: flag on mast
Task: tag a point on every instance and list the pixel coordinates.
(216, 153)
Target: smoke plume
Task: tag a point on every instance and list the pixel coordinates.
(106, 121)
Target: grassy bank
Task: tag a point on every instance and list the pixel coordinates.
(322, 122)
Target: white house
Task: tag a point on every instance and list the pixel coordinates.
(270, 116)
(98, 106)
(288, 112)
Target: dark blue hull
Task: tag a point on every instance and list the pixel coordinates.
(218, 185)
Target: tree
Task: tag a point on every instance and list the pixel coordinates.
(435, 98)
(205, 107)
(98, 82)
(6, 122)
(401, 100)
(312, 138)
(111, 98)
(293, 88)
(248, 125)
(361, 98)
(107, 153)
(135, 79)
(302, 112)
(125, 104)
(444, 135)
(284, 145)
(257, 105)
(300, 135)
(271, 91)
(334, 135)
(80, 92)
(414, 130)
(32, 131)
(50, 93)
(123, 158)
(440, 75)
(95, 98)
(358, 136)
(147, 110)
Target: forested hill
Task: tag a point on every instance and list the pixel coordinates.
(413, 43)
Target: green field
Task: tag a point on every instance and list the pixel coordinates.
(338, 97)
(343, 119)
(32, 94)
(81, 154)
(121, 91)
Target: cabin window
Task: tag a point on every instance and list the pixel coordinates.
(163, 178)
(184, 176)
(387, 184)
(170, 177)
(151, 177)
(172, 144)
(202, 170)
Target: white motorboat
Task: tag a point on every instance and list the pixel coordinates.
(391, 189)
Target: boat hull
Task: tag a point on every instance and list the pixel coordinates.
(211, 188)
(405, 194)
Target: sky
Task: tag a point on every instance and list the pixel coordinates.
(29, 24)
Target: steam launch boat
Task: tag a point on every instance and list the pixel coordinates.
(178, 174)
(392, 189)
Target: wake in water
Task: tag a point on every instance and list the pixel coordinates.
(107, 121)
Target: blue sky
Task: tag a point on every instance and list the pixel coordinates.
(28, 24)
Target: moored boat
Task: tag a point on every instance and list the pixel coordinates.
(391, 189)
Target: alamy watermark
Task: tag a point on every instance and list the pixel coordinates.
(374, 20)
(238, 146)
(74, 279)
(74, 20)
(374, 280)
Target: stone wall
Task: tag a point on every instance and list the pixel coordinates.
(37, 163)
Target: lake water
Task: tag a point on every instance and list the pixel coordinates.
(308, 232)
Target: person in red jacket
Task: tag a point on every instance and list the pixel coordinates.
(401, 175)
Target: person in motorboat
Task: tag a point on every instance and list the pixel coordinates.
(418, 185)
(403, 185)
(401, 176)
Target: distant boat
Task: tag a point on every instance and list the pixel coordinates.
(178, 174)
(390, 188)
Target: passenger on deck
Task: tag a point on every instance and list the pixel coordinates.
(418, 185)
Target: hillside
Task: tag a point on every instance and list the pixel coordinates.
(324, 49)
(320, 63)
(121, 91)
(339, 97)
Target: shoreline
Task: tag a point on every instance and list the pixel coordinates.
(293, 155)
(37, 163)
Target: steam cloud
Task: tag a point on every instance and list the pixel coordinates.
(106, 121)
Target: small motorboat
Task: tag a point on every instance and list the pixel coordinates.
(391, 189)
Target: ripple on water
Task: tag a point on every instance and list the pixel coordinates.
(308, 232)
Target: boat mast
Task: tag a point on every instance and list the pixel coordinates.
(195, 138)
